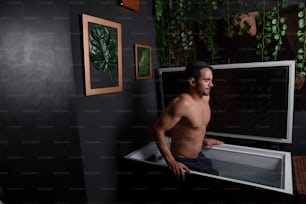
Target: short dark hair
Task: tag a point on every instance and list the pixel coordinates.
(193, 69)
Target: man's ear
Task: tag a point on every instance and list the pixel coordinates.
(191, 81)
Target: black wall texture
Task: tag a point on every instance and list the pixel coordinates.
(40, 146)
(56, 144)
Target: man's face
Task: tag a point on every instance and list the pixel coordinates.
(205, 82)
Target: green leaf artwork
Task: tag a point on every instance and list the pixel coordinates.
(103, 50)
(144, 63)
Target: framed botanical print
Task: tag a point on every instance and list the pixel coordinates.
(143, 62)
(102, 55)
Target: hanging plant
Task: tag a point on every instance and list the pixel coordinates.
(182, 31)
(301, 37)
(273, 29)
(208, 27)
(164, 47)
(174, 32)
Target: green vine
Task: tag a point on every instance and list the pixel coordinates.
(301, 36)
(228, 19)
(273, 29)
(175, 26)
(174, 32)
(208, 28)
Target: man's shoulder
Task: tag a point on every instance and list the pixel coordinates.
(183, 99)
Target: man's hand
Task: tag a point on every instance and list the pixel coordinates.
(211, 142)
(179, 169)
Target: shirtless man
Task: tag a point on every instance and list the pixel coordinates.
(186, 117)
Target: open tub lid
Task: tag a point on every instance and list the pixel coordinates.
(249, 100)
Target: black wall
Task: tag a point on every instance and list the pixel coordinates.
(56, 144)
(40, 146)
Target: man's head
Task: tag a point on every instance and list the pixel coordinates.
(199, 76)
(193, 69)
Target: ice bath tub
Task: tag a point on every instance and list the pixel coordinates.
(261, 168)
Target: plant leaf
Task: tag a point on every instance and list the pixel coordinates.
(102, 49)
(144, 63)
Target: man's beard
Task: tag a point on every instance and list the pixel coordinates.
(204, 93)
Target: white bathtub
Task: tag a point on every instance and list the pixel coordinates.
(261, 168)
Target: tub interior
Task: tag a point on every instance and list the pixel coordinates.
(149, 154)
(259, 169)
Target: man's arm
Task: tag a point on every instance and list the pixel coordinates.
(168, 119)
(162, 143)
(164, 124)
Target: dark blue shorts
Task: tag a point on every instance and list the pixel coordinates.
(201, 164)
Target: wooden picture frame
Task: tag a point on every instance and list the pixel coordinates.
(143, 62)
(102, 55)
